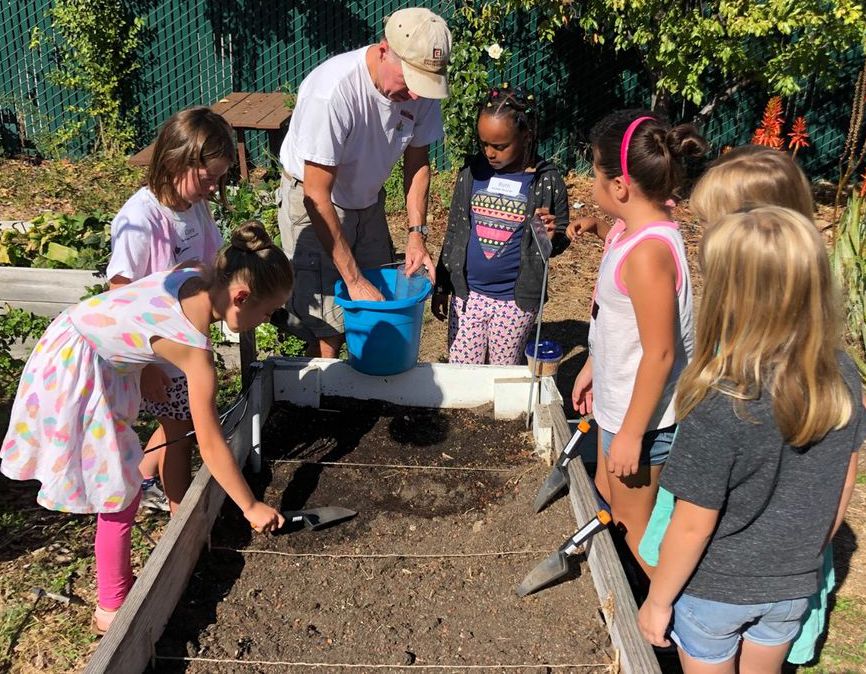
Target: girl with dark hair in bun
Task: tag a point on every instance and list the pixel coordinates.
(71, 426)
(641, 334)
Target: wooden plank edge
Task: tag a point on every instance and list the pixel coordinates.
(129, 644)
(617, 603)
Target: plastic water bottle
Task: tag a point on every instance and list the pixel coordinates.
(408, 286)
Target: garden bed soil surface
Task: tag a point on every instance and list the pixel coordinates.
(381, 589)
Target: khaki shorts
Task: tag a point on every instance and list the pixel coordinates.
(312, 300)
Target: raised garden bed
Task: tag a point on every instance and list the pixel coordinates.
(425, 574)
(492, 512)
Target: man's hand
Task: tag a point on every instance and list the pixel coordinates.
(362, 289)
(417, 256)
(154, 383)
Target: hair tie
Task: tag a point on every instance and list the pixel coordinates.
(623, 148)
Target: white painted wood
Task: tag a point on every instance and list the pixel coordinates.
(542, 432)
(508, 397)
(549, 392)
(46, 292)
(440, 385)
(228, 335)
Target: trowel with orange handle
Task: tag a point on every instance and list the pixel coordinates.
(557, 481)
(556, 565)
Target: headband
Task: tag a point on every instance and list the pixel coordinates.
(623, 148)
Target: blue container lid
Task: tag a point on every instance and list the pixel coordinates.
(547, 350)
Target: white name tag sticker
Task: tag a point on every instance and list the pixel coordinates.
(510, 188)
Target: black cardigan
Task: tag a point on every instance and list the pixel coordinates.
(547, 190)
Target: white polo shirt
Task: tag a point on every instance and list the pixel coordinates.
(341, 119)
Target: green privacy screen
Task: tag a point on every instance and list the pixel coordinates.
(197, 51)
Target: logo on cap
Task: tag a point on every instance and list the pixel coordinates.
(437, 53)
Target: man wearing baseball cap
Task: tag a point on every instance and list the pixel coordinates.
(356, 115)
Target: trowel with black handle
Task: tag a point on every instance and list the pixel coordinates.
(556, 565)
(318, 518)
(557, 481)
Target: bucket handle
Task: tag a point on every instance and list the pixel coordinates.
(397, 264)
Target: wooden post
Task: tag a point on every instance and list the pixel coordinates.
(636, 656)
(242, 154)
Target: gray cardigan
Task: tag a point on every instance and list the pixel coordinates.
(547, 190)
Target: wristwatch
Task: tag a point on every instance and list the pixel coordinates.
(421, 229)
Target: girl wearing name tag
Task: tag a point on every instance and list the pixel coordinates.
(490, 269)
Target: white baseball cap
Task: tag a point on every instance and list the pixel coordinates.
(422, 41)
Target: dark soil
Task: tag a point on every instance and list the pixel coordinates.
(353, 608)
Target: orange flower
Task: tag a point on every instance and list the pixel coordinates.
(798, 134)
(863, 186)
(769, 133)
(767, 138)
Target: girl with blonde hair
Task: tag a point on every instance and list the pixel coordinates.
(765, 460)
(751, 175)
(743, 177)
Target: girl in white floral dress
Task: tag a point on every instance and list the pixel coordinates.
(71, 425)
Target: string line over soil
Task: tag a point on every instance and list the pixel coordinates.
(273, 663)
(424, 574)
(388, 555)
(392, 465)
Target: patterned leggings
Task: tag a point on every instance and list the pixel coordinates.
(485, 329)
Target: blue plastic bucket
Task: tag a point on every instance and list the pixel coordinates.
(383, 337)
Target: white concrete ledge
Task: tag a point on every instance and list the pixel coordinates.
(303, 381)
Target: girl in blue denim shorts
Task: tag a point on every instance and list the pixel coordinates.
(640, 331)
(749, 176)
(769, 423)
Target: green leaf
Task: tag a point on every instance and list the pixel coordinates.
(62, 254)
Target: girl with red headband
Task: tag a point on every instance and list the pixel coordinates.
(640, 335)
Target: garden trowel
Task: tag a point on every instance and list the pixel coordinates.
(318, 518)
(556, 565)
(557, 481)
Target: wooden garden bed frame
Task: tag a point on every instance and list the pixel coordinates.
(130, 643)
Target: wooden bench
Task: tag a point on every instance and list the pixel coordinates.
(265, 112)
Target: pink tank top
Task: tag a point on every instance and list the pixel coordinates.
(614, 341)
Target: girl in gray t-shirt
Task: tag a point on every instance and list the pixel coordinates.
(764, 464)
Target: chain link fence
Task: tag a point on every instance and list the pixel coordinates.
(197, 51)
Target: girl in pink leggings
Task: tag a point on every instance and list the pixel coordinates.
(490, 270)
(71, 426)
